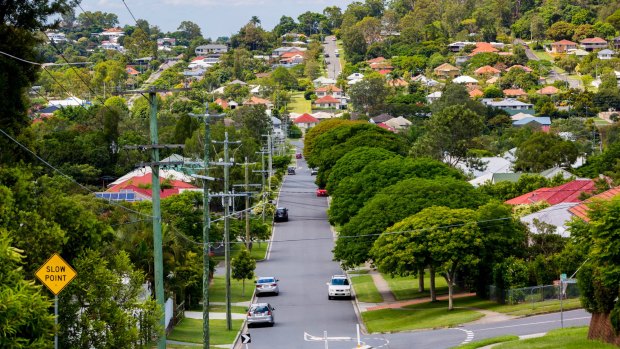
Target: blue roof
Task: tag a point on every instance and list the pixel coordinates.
(543, 120)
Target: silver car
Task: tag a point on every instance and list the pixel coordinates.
(260, 313)
(267, 284)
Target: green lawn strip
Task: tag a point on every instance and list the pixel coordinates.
(543, 55)
(568, 338)
(488, 341)
(365, 289)
(358, 271)
(222, 309)
(299, 104)
(190, 330)
(259, 250)
(517, 309)
(217, 291)
(406, 287)
(419, 316)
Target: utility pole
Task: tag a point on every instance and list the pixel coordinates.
(270, 146)
(247, 194)
(262, 176)
(226, 196)
(156, 204)
(206, 225)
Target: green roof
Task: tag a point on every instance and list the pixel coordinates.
(506, 177)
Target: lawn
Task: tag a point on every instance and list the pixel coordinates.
(488, 341)
(543, 55)
(190, 330)
(222, 309)
(217, 291)
(406, 287)
(517, 309)
(365, 289)
(568, 338)
(299, 104)
(418, 316)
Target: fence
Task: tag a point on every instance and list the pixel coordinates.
(534, 294)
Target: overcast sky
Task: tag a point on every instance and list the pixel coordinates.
(215, 17)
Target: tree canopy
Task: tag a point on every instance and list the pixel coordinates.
(353, 162)
(543, 151)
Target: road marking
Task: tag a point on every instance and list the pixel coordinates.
(532, 323)
(469, 335)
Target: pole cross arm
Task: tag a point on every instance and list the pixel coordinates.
(160, 163)
(207, 178)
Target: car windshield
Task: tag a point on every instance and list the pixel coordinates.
(281, 210)
(266, 280)
(260, 309)
(340, 282)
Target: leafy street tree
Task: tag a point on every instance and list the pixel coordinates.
(25, 320)
(190, 30)
(545, 150)
(338, 141)
(286, 25)
(243, 267)
(395, 203)
(368, 96)
(446, 239)
(353, 162)
(315, 132)
(355, 190)
(309, 22)
(449, 135)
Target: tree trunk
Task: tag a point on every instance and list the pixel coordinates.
(601, 329)
(432, 286)
(243, 288)
(450, 279)
(421, 280)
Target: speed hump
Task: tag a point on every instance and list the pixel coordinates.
(56, 273)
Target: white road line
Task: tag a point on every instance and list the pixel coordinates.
(532, 323)
(469, 335)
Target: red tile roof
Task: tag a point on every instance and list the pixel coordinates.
(146, 180)
(548, 90)
(199, 58)
(164, 193)
(131, 70)
(384, 126)
(326, 99)
(487, 69)
(376, 60)
(582, 209)
(568, 192)
(291, 54)
(384, 71)
(514, 92)
(306, 119)
(256, 100)
(329, 88)
(595, 40)
(564, 42)
(519, 66)
(483, 47)
(476, 93)
(222, 103)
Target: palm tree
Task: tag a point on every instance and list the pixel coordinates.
(255, 21)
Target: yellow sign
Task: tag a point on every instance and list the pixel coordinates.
(56, 273)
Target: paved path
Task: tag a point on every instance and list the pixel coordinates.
(401, 304)
(213, 316)
(382, 286)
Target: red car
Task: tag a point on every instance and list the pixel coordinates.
(321, 192)
(298, 156)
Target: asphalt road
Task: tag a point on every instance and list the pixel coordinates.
(333, 68)
(528, 52)
(301, 258)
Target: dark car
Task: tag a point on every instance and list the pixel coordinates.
(298, 156)
(291, 170)
(326, 55)
(281, 215)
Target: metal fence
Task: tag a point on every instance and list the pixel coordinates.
(535, 294)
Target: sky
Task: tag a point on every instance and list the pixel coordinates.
(215, 17)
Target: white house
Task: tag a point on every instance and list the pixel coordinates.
(216, 49)
(355, 76)
(56, 37)
(322, 81)
(113, 34)
(433, 97)
(329, 90)
(605, 54)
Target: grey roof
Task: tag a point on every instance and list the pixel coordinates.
(557, 215)
(48, 110)
(606, 52)
(543, 120)
(381, 118)
(213, 46)
(275, 121)
(506, 102)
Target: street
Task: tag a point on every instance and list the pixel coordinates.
(301, 258)
(333, 63)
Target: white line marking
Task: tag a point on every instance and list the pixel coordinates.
(469, 335)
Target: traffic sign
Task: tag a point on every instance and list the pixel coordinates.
(56, 273)
(246, 338)
(563, 277)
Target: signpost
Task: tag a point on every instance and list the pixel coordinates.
(55, 274)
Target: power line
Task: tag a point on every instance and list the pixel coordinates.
(132, 16)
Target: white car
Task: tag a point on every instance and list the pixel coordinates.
(339, 286)
(267, 285)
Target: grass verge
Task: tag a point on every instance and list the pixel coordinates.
(299, 104)
(568, 338)
(217, 291)
(521, 309)
(488, 341)
(406, 287)
(365, 289)
(418, 316)
(543, 55)
(190, 330)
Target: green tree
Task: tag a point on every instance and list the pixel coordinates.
(368, 96)
(353, 162)
(243, 267)
(309, 22)
(190, 30)
(614, 19)
(333, 15)
(394, 203)
(25, 318)
(287, 24)
(560, 30)
(323, 127)
(543, 151)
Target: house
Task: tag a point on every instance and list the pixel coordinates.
(355, 76)
(476, 93)
(323, 115)
(237, 82)
(423, 80)
(376, 60)
(519, 66)
(557, 171)
(56, 37)
(305, 121)
(514, 93)
(447, 71)
(567, 192)
(483, 47)
(616, 43)
(582, 209)
(398, 123)
(203, 62)
(591, 44)
(384, 126)
(520, 116)
(322, 81)
(135, 185)
(557, 215)
(433, 97)
(131, 70)
(254, 100)
(108, 45)
(281, 50)
(548, 91)
(378, 67)
(578, 52)
(113, 34)
(542, 123)
(44, 113)
(381, 118)
(69, 102)
(222, 103)
(398, 82)
(563, 46)
(330, 90)
(465, 80)
(327, 102)
(605, 54)
(493, 164)
(166, 44)
(512, 106)
(211, 49)
(487, 70)
(459, 45)
(290, 59)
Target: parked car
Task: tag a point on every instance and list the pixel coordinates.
(260, 313)
(291, 170)
(326, 55)
(314, 171)
(268, 285)
(298, 156)
(281, 215)
(321, 192)
(339, 286)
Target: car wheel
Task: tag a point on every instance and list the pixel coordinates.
(271, 324)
